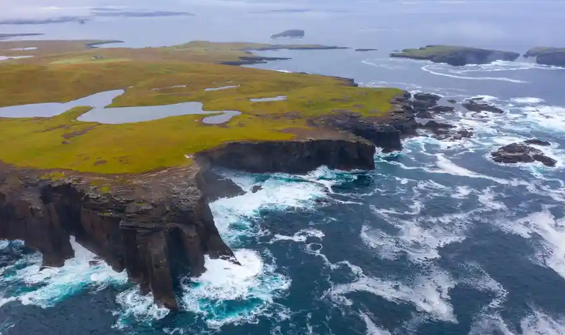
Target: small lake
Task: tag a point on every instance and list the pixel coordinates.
(220, 88)
(13, 57)
(279, 98)
(116, 115)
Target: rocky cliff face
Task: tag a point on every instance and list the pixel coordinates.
(157, 228)
(292, 156)
(556, 58)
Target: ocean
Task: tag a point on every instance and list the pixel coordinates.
(438, 239)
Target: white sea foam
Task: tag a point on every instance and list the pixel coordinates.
(301, 236)
(547, 232)
(225, 283)
(138, 307)
(418, 241)
(372, 328)
(428, 293)
(527, 100)
(536, 323)
(548, 117)
(49, 286)
(442, 71)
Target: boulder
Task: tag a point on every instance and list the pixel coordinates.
(521, 153)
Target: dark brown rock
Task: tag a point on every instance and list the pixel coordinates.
(422, 96)
(479, 106)
(521, 153)
(535, 141)
(443, 109)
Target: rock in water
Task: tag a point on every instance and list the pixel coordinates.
(535, 141)
(365, 50)
(292, 33)
(427, 97)
(477, 106)
(521, 153)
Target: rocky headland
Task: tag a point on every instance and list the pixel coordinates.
(548, 56)
(456, 55)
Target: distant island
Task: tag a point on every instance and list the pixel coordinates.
(5, 36)
(292, 33)
(456, 55)
(548, 55)
(365, 50)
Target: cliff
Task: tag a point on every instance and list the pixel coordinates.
(548, 55)
(456, 55)
(158, 226)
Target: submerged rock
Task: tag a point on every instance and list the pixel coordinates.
(292, 33)
(521, 153)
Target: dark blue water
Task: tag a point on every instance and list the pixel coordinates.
(437, 240)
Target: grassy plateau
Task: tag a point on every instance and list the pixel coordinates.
(62, 71)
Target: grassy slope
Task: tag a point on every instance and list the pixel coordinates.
(62, 142)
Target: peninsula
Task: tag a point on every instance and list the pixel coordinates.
(137, 193)
(456, 55)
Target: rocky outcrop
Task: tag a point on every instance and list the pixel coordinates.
(292, 33)
(521, 153)
(365, 50)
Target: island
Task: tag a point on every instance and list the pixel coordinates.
(365, 50)
(6, 36)
(118, 147)
(547, 56)
(292, 33)
(456, 55)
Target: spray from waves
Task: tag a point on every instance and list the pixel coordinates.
(24, 282)
(548, 234)
(537, 323)
(218, 294)
(435, 70)
(428, 293)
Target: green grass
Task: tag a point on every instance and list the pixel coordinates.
(534, 52)
(62, 142)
